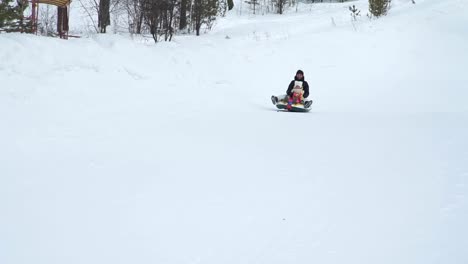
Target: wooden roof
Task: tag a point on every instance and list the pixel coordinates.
(55, 2)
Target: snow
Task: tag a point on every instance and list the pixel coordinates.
(117, 150)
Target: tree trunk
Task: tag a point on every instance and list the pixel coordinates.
(104, 15)
(139, 23)
(183, 14)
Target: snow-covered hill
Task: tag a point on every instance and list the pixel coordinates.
(116, 150)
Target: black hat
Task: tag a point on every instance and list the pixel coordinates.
(299, 71)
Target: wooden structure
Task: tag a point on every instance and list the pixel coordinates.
(63, 11)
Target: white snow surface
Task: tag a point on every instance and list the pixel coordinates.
(118, 150)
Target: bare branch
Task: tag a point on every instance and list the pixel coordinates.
(89, 15)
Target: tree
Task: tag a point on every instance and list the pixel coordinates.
(197, 15)
(222, 7)
(167, 18)
(354, 12)
(230, 4)
(183, 15)
(151, 13)
(135, 15)
(103, 15)
(203, 12)
(379, 7)
(7, 13)
(279, 4)
(253, 4)
(11, 16)
(101, 10)
(47, 20)
(159, 17)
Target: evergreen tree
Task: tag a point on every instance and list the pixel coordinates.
(7, 12)
(11, 16)
(379, 7)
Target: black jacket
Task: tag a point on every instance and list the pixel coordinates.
(305, 87)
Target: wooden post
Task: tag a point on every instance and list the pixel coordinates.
(62, 21)
(34, 15)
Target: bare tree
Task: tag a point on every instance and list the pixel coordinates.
(203, 12)
(159, 17)
(102, 10)
(280, 5)
(167, 18)
(47, 20)
(253, 4)
(151, 13)
(134, 9)
(89, 7)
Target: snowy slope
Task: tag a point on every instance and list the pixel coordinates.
(122, 151)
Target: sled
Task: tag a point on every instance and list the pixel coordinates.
(282, 105)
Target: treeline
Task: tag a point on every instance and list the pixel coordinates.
(163, 18)
(160, 18)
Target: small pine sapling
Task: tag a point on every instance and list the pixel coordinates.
(354, 12)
